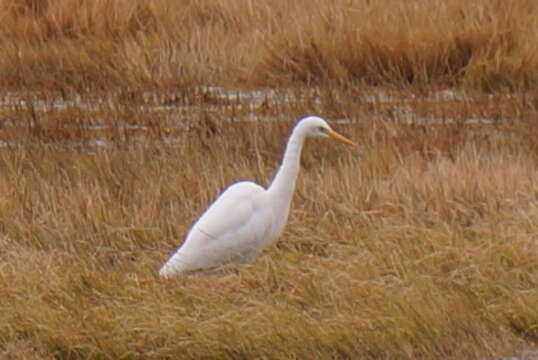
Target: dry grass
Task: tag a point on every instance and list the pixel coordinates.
(421, 245)
(483, 44)
(102, 44)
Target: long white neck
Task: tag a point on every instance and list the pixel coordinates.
(283, 184)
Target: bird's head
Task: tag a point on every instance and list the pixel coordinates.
(316, 126)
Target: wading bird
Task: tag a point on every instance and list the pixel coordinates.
(247, 217)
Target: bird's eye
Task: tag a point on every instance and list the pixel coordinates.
(322, 129)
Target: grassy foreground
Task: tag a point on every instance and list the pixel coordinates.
(421, 244)
(102, 44)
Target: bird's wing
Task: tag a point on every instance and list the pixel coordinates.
(230, 227)
(232, 210)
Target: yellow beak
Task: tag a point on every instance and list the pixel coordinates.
(336, 136)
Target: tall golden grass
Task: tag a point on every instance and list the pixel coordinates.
(102, 44)
(420, 245)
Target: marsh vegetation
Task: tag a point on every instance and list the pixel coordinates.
(120, 121)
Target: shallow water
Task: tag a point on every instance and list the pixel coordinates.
(177, 112)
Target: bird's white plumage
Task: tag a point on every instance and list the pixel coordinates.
(246, 217)
(230, 230)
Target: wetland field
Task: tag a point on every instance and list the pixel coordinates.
(120, 121)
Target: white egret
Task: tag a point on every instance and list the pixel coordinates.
(247, 217)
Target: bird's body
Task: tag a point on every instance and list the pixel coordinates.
(237, 239)
(246, 217)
